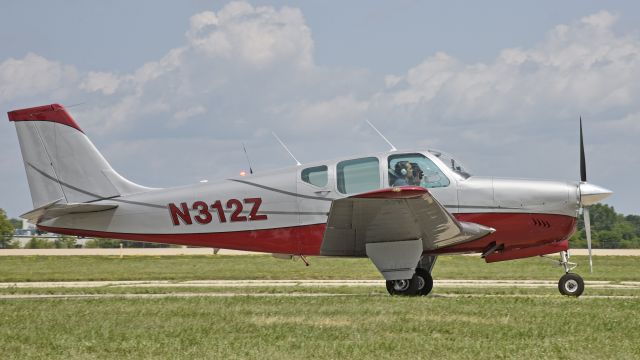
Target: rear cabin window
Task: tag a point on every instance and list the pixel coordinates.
(358, 175)
(316, 175)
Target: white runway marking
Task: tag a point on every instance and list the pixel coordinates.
(311, 283)
(160, 296)
(301, 295)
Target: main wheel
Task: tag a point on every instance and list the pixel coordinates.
(571, 284)
(405, 287)
(425, 281)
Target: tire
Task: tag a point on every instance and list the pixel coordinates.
(571, 284)
(425, 281)
(407, 287)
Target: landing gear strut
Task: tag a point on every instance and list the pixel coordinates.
(570, 284)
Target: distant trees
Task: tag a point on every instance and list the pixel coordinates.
(6, 230)
(63, 242)
(609, 230)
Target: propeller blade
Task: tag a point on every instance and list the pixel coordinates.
(583, 163)
(587, 228)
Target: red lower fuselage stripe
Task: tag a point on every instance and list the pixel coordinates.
(512, 230)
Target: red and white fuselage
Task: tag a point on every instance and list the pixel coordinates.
(76, 192)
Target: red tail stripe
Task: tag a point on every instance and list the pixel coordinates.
(53, 113)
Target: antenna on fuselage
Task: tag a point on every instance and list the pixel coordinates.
(393, 148)
(286, 148)
(248, 161)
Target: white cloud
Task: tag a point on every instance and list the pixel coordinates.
(257, 36)
(106, 83)
(580, 67)
(33, 75)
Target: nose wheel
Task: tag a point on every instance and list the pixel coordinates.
(570, 284)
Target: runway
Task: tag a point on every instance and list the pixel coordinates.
(630, 285)
(301, 295)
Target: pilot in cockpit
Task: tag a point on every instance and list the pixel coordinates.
(407, 173)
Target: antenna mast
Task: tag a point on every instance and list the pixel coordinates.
(286, 148)
(393, 148)
(247, 156)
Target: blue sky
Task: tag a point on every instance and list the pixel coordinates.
(170, 89)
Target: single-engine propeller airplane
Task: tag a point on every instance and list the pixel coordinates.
(401, 209)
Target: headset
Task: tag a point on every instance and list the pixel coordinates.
(401, 168)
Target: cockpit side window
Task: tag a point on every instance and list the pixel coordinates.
(415, 169)
(316, 175)
(358, 175)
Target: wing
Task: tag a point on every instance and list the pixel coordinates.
(393, 227)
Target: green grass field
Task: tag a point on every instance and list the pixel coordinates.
(361, 322)
(67, 268)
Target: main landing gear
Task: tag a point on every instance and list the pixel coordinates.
(570, 284)
(420, 284)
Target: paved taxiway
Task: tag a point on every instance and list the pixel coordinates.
(308, 283)
(220, 294)
(442, 284)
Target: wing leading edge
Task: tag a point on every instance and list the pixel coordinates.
(393, 227)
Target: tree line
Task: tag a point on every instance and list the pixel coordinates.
(609, 230)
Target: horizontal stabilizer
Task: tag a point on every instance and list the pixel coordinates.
(55, 209)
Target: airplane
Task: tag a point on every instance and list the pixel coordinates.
(400, 209)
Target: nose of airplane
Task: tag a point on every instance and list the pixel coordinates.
(591, 194)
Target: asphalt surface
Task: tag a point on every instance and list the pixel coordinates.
(442, 285)
(308, 283)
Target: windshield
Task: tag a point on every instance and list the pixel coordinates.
(415, 169)
(452, 163)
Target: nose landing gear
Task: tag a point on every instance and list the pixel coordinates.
(570, 284)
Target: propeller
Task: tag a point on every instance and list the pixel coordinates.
(585, 210)
(589, 195)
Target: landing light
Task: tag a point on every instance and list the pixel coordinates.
(243, 173)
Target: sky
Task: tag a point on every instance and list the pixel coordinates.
(170, 90)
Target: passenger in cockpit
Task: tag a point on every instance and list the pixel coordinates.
(417, 174)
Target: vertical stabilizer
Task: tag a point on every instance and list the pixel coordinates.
(60, 160)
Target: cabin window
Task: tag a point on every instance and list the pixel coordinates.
(358, 175)
(316, 175)
(416, 170)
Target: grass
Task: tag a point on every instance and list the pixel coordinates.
(70, 268)
(361, 326)
(359, 322)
